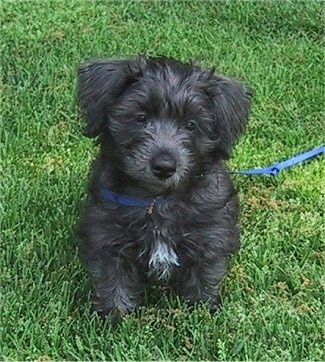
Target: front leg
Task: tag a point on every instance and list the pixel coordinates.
(200, 280)
(117, 288)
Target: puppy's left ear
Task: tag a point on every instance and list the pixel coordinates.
(231, 102)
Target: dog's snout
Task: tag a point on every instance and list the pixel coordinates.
(163, 165)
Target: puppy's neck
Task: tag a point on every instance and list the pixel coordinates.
(116, 180)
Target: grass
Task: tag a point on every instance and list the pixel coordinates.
(273, 297)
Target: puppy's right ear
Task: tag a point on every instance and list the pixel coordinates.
(100, 83)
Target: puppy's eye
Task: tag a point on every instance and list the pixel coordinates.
(190, 125)
(142, 118)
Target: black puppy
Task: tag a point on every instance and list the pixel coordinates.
(160, 203)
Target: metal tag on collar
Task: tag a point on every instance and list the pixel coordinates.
(151, 207)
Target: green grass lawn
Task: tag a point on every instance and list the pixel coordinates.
(272, 308)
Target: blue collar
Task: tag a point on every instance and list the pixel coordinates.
(120, 199)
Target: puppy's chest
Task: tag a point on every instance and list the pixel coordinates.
(162, 257)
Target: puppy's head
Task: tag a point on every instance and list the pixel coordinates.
(165, 119)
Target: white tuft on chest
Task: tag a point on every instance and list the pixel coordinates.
(163, 258)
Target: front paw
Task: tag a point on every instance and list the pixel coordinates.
(215, 304)
(209, 296)
(112, 311)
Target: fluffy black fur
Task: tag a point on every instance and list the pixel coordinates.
(164, 129)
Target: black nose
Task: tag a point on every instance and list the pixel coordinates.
(163, 165)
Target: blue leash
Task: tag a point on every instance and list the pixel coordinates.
(278, 166)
